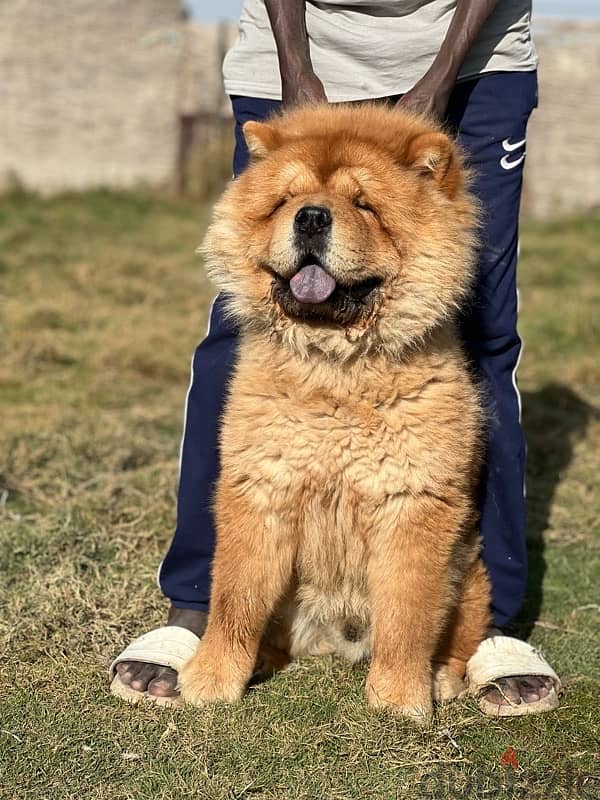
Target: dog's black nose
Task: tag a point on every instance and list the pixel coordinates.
(312, 220)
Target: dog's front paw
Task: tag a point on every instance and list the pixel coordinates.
(202, 681)
(386, 692)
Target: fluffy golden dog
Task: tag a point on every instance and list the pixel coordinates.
(351, 439)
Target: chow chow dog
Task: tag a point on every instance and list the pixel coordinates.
(352, 435)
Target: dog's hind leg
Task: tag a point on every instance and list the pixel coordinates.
(252, 569)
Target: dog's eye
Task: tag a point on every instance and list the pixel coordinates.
(281, 202)
(361, 204)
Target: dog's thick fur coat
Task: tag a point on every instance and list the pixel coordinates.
(351, 439)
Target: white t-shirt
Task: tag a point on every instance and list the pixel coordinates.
(365, 49)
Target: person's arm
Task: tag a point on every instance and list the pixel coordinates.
(299, 84)
(431, 93)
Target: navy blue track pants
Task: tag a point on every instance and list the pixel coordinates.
(489, 115)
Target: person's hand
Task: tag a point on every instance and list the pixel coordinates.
(428, 96)
(302, 88)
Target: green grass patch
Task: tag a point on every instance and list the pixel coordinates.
(103, 301)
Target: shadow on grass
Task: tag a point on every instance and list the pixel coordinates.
(554, 419)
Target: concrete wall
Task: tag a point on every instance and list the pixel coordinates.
(93, 92)
(89, 92)
(200, 80)
(562, 175)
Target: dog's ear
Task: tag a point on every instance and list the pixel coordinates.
(435, 154)
(261, 138)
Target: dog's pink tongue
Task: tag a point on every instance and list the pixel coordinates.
(312, 284)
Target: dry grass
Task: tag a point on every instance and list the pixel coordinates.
(102, 304)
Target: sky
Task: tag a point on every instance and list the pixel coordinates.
(569, 9)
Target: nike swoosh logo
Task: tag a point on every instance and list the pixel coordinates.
(510, 146)
(506, 164)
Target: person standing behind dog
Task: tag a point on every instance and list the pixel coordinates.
(471, 64)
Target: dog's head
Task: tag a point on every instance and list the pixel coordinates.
(350, 231)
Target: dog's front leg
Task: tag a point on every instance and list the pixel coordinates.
(410, 594)
(251, 571)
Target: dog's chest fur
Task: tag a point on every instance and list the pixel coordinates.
(328, 456)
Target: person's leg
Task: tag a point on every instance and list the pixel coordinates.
(184, 575)
(490, 115)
